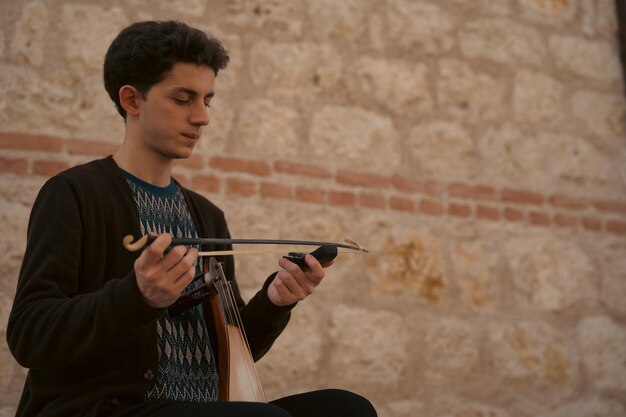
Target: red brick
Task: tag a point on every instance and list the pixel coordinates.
(342, 198)
(611, 206)
(538, 218)
(209, 183)
(311, 194)
(513, 215)
(273, 190)
(459, 210)
(401, 204)
(616, 226)
(49, 168)
(521, 197)
(472, 192)
(226, 163)
(487, 212)
(362, 179)
(566, 202)
(30, 142)
(591, 223)
(424, 187)
(13, 165)
(240, 187)
(432, 207)
(89, 147)
(305, 170)
(372, 200)
(565, 220)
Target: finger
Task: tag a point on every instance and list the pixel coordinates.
(154, 252)
(295, 281)
(288, 288)
(316, 270)
(173, 257)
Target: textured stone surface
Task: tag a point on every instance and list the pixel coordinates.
(396, 85)
(473, 95)
(549, 273)
(593, 59)
(440, 149)
(603, 350)
(537, 97)
(602, 114)
(382, 358)
(588, 407)
(29, 38)
(503, 41)
(530, 358)
(347, 136)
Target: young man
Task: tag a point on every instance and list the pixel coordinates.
(90, 319)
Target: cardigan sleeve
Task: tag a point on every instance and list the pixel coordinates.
(64, 313)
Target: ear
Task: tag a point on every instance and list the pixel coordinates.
(129, 99)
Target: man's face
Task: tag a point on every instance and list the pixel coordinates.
(173, 112)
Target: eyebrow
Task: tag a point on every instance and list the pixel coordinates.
(191, 92)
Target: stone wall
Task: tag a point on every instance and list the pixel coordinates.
(476, 146)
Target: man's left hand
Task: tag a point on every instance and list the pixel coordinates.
(291, 284)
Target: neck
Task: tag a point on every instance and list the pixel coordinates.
(149, 166)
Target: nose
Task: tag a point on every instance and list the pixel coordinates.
(199, 115)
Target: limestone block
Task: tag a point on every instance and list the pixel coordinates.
(346, 20)
(440, 149)
(497, 8)
(413, 268)
(28, 44)
(613, 289)
(476, 410)
(555, 12)
(267, 129)
(188, 8)
(599, 17)
(603, 114)
(477, 274)
(296, 71)
(402, 408)
(468, 94)
(368, 346)
(301, 343)
(531, 357)
(8, 411)
(537, 97)
(7, 364)
(420, 26)
(397, 85)
(283, 15)
(593, 59)
(89, 32)
(588, 407)
(504, 41)
(550, 273)
(355, 138)
(529, 161)
(603, 349)
(451, 350)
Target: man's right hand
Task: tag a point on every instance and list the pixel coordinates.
(161, 278)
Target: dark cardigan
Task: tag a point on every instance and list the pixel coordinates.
(79, 322)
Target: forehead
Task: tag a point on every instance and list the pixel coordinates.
(198, 78)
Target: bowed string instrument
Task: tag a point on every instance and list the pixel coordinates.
(238, 377)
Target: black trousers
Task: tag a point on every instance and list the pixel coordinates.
(324, 403)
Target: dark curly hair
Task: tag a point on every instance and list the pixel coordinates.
(143, 53)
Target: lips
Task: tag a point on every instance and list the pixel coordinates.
(190, 135)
